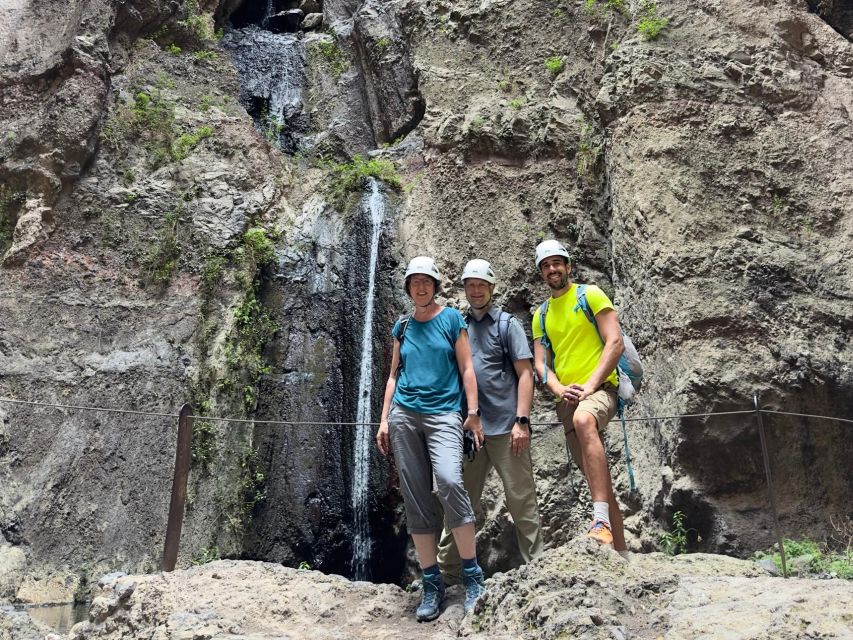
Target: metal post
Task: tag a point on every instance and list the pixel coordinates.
(770, 490)
(179, 489)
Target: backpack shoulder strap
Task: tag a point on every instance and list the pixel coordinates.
(404, 324)
(503, 334)
(583, 304)
(544, 340)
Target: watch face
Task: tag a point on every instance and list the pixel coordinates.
(523, 420)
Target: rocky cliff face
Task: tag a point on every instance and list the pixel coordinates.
(166, 240)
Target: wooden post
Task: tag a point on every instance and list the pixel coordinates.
(179, 489)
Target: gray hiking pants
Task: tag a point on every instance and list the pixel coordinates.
(425, 446)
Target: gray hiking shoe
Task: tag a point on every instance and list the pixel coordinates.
(433, 596)
(475, 586)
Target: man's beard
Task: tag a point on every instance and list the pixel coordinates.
(564, 280)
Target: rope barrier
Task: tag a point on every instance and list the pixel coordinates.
(308, 423)
(804, 415)
(82, 408)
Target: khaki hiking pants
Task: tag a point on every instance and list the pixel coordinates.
(516, 474)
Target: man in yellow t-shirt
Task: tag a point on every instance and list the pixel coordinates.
(580, 370)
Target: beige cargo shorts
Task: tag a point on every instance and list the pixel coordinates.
(601, 405)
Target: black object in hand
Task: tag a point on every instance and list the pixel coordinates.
(468, 449)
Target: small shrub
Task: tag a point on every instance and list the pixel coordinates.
(478, 123)
(252, 483)
(253, 328)
(205, 103)
(211, 273)
(516, 103)
(592, 6)
(383, 43)
(333, 54)
(304, 566)
(206, 555)
(205, 54)
(174, 49)
(272, 128)
(555, 65)
(505, 85)
(674, 542)
(650, 24)
(260, 246)
(162, 259)
(199, 25)
(204, 442)
(352, 176)
(186, 142)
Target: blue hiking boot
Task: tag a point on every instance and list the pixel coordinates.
(475, 586)
(433, 596)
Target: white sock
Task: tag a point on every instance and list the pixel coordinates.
(601, 511)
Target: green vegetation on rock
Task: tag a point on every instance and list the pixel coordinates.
(806, 557)
(555, 65)
(674, 541)
(650, 24)
(162, 259)
(208, 554)
(332, 54)
(352, 176)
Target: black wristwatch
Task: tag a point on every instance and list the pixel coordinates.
(471, 412)
(522, 420)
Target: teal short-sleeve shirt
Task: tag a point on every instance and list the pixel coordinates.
(430, 382)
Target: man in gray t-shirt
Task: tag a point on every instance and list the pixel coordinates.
(503, 365)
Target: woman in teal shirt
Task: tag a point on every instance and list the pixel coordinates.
(422, 425)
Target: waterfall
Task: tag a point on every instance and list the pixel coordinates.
(375, 207)
(267, 14)
(273, 78)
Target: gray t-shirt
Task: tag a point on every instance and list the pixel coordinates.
(497, 389)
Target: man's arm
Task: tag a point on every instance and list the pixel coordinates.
(553, 384)
(521, 433)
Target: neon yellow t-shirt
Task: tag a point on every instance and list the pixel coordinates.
(577, 347)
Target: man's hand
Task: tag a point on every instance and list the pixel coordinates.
(575, 393)
(382, 439)
(520, 438)
(473, 424)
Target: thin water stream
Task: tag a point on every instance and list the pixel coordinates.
(374, 202)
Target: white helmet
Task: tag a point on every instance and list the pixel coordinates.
(550, 248)
(479, 269)
(424, 265)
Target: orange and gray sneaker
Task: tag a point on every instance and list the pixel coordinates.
(600, 532)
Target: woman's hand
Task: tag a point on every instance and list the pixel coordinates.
(473, 424)
(382, 439)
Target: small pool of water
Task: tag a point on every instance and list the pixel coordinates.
(60, 617)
